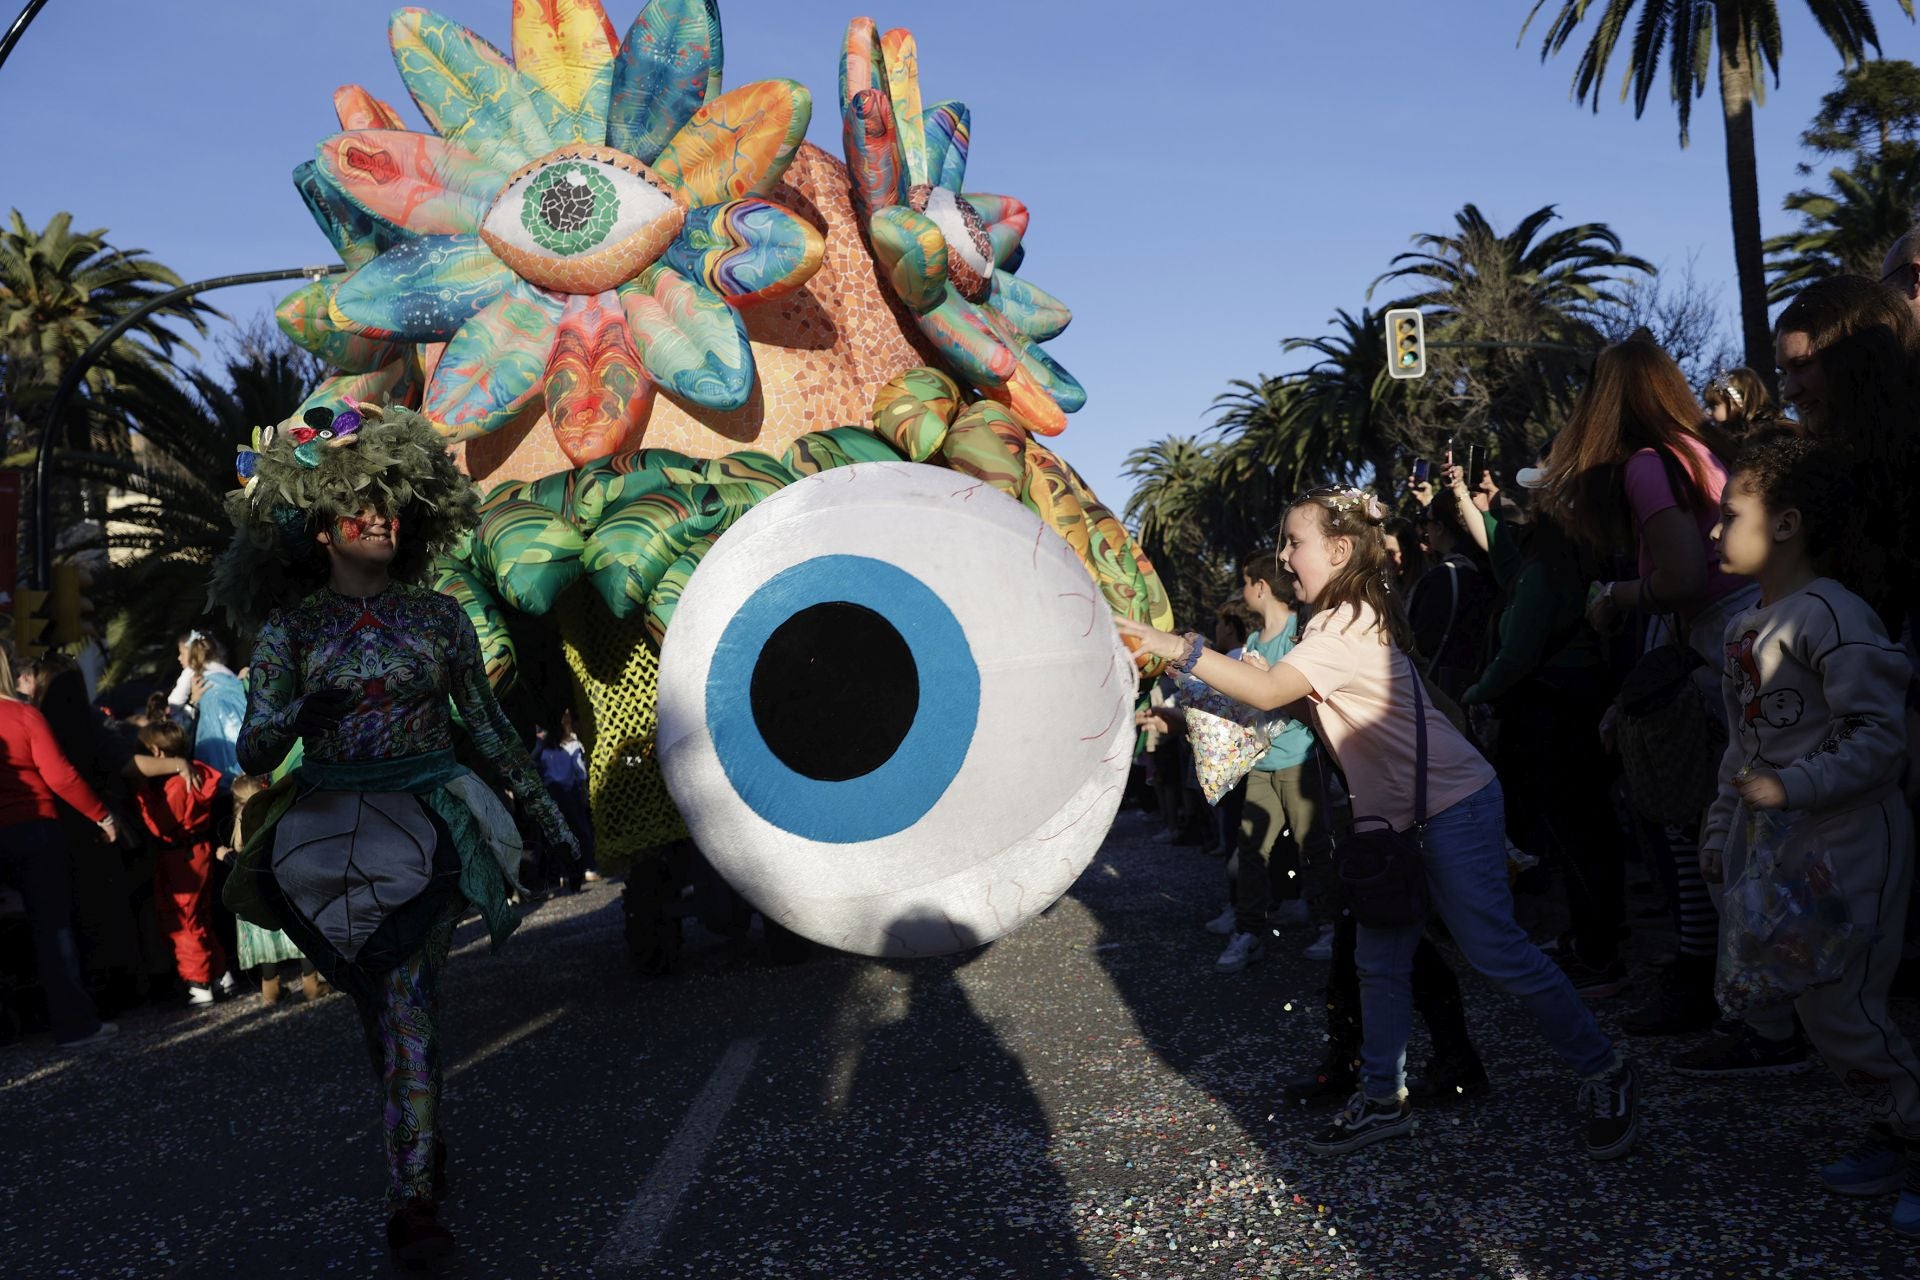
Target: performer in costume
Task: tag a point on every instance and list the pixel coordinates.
(370, 851)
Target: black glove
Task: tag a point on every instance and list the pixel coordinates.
(322, 711)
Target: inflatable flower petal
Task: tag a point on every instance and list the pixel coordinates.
(578, 229)
(948, 255)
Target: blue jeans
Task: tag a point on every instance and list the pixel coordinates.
(1466, 857)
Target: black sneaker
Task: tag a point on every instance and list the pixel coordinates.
(1610, 1106)
(1335, 1081)
(1361, 1123)
(1745, 1053)
(1453, 1078)
(1593, 981)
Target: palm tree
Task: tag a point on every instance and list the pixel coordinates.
(1512, 318)
(1848, 229)
(60, 289)
(171, 520)
(1347, 421)
(1689, 33)
(1178, 511)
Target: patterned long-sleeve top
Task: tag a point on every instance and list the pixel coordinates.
(409, 655)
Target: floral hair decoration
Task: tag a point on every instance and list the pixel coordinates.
(301, 479)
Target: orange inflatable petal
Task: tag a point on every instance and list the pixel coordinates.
(598, 395)
(359, 109)
(1029, 402)
(739, 144)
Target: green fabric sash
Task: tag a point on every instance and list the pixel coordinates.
(481, 880)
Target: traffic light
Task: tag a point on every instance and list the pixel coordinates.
(1406, 343)
(30, 623)
(70, 610)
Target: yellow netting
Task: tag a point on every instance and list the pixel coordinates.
(619, 670)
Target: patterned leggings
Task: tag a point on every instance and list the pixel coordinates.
(403, 1039)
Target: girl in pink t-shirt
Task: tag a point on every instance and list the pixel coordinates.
(1352, 667)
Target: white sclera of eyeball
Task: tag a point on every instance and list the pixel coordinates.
(1050, 744)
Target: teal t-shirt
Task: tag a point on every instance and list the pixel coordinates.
(1293, 745)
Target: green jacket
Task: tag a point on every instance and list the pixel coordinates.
(1543, 627)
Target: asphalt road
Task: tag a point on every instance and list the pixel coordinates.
(1085, 1098)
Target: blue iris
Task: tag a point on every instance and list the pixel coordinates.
(899, 792)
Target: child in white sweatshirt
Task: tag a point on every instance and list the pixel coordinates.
(1815, 693)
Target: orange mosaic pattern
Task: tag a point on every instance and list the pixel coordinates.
(821, 352)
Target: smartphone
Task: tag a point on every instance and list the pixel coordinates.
(1474, 462)
(1422, 469)
(1449, 461)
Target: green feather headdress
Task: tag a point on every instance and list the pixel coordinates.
(298, 480)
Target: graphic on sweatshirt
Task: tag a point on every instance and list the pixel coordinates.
(1780, 709)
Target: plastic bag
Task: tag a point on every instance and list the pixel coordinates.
(1787, 927)
(1228, 738)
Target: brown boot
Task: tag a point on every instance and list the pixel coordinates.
(414, 1233)
(312, 987)
(270, 989)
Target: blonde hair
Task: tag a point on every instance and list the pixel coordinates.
(6, 670)
(1367, 577)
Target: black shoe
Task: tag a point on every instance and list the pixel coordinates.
(1361, 1123)
(1592, 981)
(415, 1236)
(1610, 1107)
(1334, 1082)
(1745, 1053)
(1452, 1078)
(1682, 1005)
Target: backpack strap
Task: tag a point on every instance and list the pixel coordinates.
(1420, 739)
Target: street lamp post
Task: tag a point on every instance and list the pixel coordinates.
(70, 383)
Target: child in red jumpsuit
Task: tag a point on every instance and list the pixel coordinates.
(179, 813)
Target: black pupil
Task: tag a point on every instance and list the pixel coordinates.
(835, 691)
(566, 207)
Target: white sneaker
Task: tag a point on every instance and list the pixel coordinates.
(1289, 914)
(107, 1031)
(226, 987)
(1242, 950)
(198, 996)
(1223, 923)
(1321, 948)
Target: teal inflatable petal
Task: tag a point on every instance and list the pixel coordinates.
(468, 90)
(692, 343)
(495, 367)
(1028, 307)
(666, 69)
(1061, 385)
(356, 235)
(948, 128)
(423, 290)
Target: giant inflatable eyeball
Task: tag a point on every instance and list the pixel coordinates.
(894, 710)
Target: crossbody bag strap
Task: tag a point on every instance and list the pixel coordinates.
(1420, 741)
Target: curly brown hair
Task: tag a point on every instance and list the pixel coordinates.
(1791, 472)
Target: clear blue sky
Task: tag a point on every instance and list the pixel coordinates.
(1205, 178)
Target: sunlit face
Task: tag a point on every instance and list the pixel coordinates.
(369, 538)
(1252, 591)
(1309, 554)
(1747, 532)
(1718, 412)
(1803, 383)
(184, 660)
